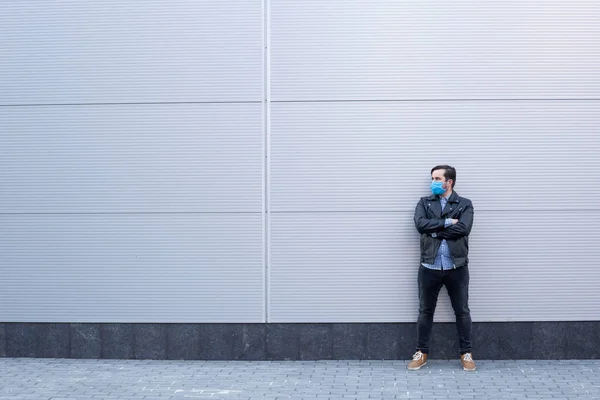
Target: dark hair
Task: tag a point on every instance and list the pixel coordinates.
(449, 172)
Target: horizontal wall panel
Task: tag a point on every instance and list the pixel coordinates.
(131, 268)
(362, 267)
(407, 50)
(343, 267)
(376, 156)
(130, 51)
(131, 158)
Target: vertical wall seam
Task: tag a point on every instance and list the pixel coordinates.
(266, 101)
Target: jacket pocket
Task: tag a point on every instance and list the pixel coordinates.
(427, 247)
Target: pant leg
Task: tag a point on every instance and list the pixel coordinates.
(430, 283)
(457, 284)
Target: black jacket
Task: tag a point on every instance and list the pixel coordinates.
(429, 219)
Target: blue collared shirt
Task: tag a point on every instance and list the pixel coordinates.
(443, 260)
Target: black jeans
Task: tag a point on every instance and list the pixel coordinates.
(457, 283)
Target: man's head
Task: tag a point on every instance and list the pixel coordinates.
(446, 175)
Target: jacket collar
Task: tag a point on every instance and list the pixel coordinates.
(454, 197)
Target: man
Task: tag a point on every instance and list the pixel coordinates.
(444, 221)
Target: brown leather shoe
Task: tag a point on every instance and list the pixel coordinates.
(467, 362)
(419, 359)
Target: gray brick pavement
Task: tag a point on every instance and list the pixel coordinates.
(60, 379)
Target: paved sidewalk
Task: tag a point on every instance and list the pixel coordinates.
(336, 380)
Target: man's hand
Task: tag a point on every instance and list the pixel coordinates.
(454, 221)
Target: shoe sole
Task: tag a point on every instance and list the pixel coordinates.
(467, 369)
(418, 368)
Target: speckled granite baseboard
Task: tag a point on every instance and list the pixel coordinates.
(352, 341)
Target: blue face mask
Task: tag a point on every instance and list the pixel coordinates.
(436, 187)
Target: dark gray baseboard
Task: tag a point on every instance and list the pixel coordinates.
(352, 341)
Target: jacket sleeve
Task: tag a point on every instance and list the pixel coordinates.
(462, 228)
(424, 224)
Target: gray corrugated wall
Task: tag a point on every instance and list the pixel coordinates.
(134, 186)
(131, 161)
(368, 95)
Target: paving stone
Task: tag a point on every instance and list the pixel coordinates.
(31, 378)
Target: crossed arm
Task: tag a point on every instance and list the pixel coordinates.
(444, 228)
